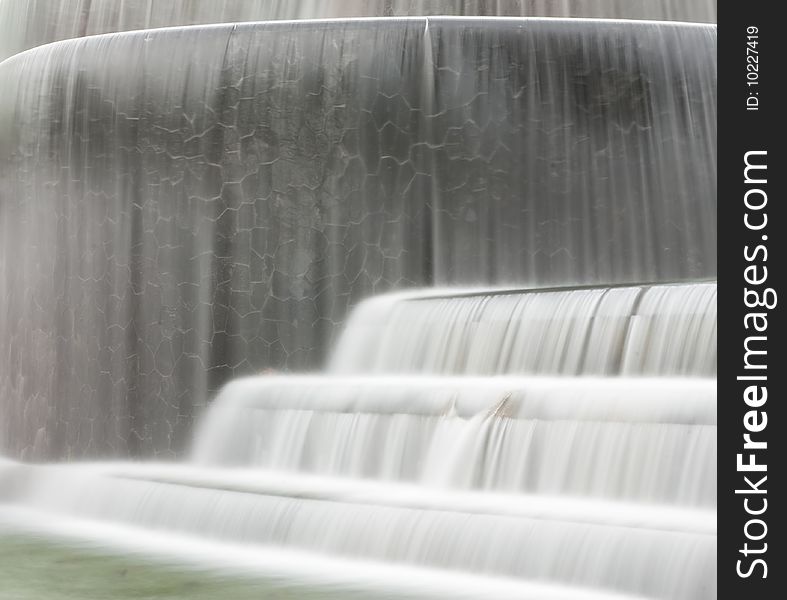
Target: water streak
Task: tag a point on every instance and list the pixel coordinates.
(596, 551)
(654, 330)
(199, 203)
(650, 440)
(28, 23)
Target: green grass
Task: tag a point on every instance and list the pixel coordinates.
(35, 569)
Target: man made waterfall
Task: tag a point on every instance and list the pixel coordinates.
(659, 330)
(28, 23)
(502, 227)
(649, 440)
(605, 484)
(199, 203)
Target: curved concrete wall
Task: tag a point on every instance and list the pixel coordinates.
(28, 23)
(181, 206)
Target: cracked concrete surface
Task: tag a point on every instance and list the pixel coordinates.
(178, 207)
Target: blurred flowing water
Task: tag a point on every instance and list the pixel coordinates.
(596, 483)
(28, 23)
(219, 211)
(529, 412)
(649, 330)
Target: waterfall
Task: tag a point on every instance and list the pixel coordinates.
(28, 23)
(504, 228)
(650, 554)
(648, 440)
(201, 203)
(602, 478)
(658, 330)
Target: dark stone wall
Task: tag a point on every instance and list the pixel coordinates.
(178, 207)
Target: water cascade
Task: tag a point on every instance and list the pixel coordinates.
(219, 212)
(28, 23)
(643, 330)
(504, 229)
(602, 483)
